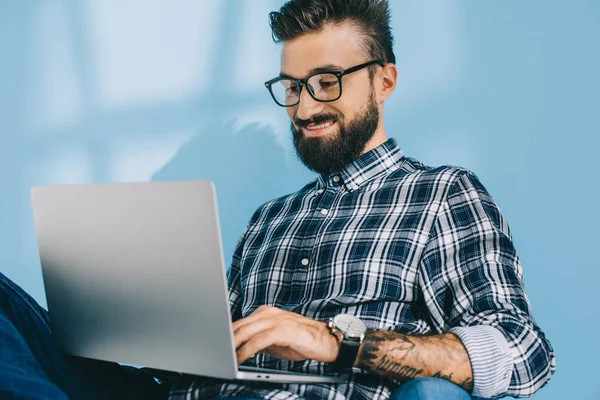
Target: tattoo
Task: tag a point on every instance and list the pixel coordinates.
(467, 384)
(402, 372)
(383, 336)
(405, 357)
(368, 352)
(374, 342)
(440, 375)
(398, 347)
(369, 349)
(403, 343)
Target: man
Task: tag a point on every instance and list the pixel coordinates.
(422, 256)
(402, 273)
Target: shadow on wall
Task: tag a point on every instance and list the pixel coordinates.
(247, 166)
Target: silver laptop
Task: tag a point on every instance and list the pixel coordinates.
(134, 273)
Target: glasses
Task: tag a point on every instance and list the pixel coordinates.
(323, 86)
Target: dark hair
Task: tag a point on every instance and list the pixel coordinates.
(372, 17)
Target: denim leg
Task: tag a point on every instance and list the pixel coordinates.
(32, 363)
(22, 377)
(430, 389)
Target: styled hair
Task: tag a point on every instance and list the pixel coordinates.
(371, 17)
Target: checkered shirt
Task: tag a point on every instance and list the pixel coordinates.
(402, 246)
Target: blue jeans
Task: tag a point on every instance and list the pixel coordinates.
(417, 389)
(430, 389)
(33, 367)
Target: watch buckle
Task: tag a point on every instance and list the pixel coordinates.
(334, 331)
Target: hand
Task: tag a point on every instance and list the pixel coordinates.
(284, 335)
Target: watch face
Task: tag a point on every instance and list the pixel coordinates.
(349, 325)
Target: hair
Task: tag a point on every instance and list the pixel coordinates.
(372, 18)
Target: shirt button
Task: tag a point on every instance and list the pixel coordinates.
(324, 211)
(304, 261)
(336, 179)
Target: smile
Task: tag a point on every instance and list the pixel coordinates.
(318, 129)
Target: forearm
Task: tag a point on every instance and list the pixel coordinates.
(405, 357)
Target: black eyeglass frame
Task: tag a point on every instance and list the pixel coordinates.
(304, 82)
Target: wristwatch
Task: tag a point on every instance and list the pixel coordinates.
(352, 331)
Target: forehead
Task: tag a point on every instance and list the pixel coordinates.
(340, 45)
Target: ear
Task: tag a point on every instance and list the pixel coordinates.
(387, 78)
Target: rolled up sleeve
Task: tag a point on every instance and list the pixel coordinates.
(491, 358)
(472, 282)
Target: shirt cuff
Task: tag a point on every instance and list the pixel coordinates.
(490, 356)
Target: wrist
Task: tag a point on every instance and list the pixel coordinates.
(350, 332)
(333, 343)
(363, 347)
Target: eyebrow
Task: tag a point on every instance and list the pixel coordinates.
(322, 68)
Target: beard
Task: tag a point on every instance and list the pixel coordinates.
(331, 153)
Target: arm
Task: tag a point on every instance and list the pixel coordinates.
(472, 284)
(234, 279)
(403, 357)
(290, 336)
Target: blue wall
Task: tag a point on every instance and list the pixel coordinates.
(109, 91)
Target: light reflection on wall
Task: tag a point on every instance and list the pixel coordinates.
(432, 60)
(136, 159)
(70, 166)
(254, 61)
(54, 90)
(153, 50)
(113, 90)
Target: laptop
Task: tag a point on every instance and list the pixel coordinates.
(134, 273)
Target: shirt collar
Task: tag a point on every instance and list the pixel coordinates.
(383, 159)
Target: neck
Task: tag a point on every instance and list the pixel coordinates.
(379, 138)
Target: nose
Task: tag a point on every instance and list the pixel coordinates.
(307, 107)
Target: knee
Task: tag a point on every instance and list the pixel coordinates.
(430, 389)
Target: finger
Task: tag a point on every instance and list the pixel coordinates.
(257, 344)
(275, 317)
(243, 334)
(260, 312)
(264, 312)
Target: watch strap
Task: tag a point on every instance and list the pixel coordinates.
(347, 355)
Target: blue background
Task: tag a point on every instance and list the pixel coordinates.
(111, 91)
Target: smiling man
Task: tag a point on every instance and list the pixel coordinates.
(403, 275)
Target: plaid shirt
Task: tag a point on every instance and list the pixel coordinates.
(404, 247)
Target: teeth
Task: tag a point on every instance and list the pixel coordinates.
(321, 126)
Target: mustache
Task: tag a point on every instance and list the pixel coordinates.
(315, 119)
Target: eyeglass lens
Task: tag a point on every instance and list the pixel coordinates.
(322, 86)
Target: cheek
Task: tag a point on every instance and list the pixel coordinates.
(354, 102)
(355, 98)
(344, 109)
(291, 112)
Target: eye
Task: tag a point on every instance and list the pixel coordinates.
(326, 84)
(292, 89)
